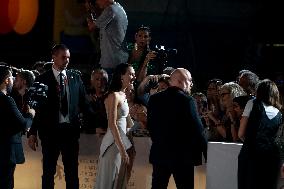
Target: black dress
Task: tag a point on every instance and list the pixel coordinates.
(259, 160)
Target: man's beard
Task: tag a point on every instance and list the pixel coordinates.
(9, 89)
(187, 91)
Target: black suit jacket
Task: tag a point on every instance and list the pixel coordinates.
(12, 122)
(47, 117)
(175, 128)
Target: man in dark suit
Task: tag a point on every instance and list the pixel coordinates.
(13, 123)
(176, 132)
(57, 119)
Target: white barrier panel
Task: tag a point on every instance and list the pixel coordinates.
(222, 162)
(222, 166)
(28, 175)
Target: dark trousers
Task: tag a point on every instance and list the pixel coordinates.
(183, 175)
(66, 143)
(259, 172)
(7, 175)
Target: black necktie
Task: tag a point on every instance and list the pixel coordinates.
(63, 96)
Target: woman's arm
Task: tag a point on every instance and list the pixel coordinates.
(129, 121)
(111, 103)
(244, 119)
(19, 122)
(142, 72)
(243, 126)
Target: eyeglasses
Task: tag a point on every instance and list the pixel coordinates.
(223, 94)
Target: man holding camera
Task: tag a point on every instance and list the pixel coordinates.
(112, 23)
(57, 122)
(10, 136)
(23, 81)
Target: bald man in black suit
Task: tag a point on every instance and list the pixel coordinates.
(176, 132)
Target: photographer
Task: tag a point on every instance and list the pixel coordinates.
(146, 60)
(10, 137)
(23, 81)
(140, 54)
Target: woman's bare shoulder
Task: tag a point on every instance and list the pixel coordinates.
(112, 97)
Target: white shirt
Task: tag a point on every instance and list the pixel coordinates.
(56, 73)
(270, 111)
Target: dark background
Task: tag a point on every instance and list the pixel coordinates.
(25, 49)
(214, 38)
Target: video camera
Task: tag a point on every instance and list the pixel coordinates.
(163, 53)
(37, 94)
(163, 56)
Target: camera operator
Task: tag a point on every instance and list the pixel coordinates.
(10, 137)
(140, 54)
(23, 81)
(146, 60)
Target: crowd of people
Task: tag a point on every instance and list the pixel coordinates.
(126, 94)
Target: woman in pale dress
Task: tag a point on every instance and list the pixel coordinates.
(113, 160)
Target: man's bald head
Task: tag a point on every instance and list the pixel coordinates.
(181, 78)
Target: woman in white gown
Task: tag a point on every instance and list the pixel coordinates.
(113, 158)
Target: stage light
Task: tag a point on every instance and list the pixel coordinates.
(18, 15)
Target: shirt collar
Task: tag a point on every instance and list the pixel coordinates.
(56, 72)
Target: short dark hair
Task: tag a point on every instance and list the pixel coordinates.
(56, 48)
(28, 76)
(215, 81)
(242, 100)
(47, 66)
(38, 64)
(144, 28)
(4, 72)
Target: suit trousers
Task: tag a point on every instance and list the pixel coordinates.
(64, 142)
(183, 175)
(7, 175)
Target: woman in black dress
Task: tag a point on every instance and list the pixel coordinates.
(259, 160)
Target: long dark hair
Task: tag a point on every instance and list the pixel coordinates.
(268, 93)
(116, 83)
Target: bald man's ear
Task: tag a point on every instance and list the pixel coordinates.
(170, 82)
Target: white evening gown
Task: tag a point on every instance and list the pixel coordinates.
(108, 175)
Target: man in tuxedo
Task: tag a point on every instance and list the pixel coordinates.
(176, 132)
(57, 121)
(13, 123)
